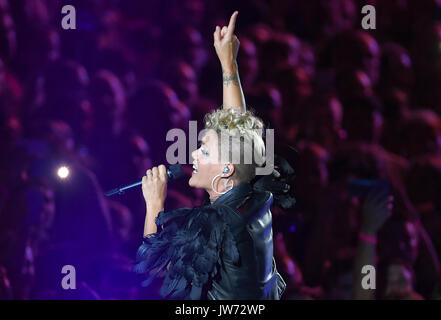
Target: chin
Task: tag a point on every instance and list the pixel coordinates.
(191, 182)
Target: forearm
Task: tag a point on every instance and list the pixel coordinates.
(233, 96)
(365, 256)
(150, 227)
(152, 212)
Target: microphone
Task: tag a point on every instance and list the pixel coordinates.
(173, 172)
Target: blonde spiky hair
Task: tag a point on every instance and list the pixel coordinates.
(244, 131)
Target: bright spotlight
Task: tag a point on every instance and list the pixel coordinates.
(63, 172)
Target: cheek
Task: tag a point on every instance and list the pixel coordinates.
(207, 170)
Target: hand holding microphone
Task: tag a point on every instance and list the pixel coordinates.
(171, 173)
(154, 185)
(154, 189)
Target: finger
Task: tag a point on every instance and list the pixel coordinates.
(162, 172)
(232, 23)
(155, 172)
(389, 202)
(224, 31)
(149, 174)
(217, 34)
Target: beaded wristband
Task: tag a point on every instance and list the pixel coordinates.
(369, 239)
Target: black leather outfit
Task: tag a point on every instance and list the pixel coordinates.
(248, 214)
(204, 265)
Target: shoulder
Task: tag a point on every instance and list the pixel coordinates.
(258, 203)
(244, 211)
(188, 218)
(175, 215)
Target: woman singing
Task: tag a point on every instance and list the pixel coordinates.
(224, 249)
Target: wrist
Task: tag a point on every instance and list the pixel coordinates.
(229, 67)
(368, 231)
(153, 208)
(368, 237)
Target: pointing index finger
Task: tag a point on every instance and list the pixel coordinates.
(232, 23)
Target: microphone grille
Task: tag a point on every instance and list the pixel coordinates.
(174, 172)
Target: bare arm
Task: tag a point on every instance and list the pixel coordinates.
(376, 209)
(154, 185)
(233, 96)
(154, 189)
(227, 46)
(365, 256)
(150, 216)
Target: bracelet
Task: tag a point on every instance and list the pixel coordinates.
(369, 239)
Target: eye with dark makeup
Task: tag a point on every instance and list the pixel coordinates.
(202, 148)
(204, 152)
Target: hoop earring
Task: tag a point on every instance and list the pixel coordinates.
(225, 184)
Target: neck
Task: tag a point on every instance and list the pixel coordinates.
(219, 187)
(212, 195)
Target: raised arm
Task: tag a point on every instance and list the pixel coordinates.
(376, 210)
(227, 46)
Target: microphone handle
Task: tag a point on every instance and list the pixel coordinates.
(120, 190)
(172, 174)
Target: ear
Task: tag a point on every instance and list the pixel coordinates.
(228, 170)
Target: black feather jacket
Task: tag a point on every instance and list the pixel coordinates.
(219, 251)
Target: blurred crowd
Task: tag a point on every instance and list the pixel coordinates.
(100, 99)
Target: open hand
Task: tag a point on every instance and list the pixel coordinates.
(377, 208)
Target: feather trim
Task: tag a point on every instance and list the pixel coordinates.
(193, 240)
(278, 183)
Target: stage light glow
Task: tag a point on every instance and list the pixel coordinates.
(63, 172)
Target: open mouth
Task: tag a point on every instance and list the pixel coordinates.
(195, 168)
